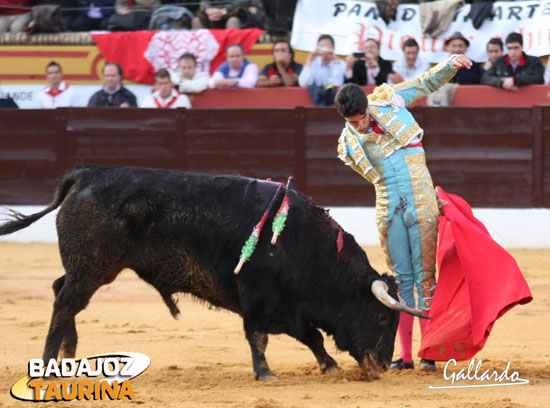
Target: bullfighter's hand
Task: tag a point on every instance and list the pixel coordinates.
(462, 61)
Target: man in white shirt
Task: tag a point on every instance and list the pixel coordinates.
(188, 78)
(323, 67)
(410, 66)
(57, 93)
(165, 95)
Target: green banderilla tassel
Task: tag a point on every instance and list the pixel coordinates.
(250, 245)
(282, 214)
(279, 222)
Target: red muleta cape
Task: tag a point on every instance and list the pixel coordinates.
(478, 282)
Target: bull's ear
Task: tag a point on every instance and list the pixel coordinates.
(379, 289)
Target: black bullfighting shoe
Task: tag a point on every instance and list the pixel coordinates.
(427, 365)
(401, 365)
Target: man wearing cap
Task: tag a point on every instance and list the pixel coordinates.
(458, 44)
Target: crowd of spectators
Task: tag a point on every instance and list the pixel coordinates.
(322, 73)
(128, 15)
(515, 68)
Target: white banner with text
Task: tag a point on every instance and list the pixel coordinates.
(352, 22)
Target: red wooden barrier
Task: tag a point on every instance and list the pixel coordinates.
(493, 157)
(466, 95)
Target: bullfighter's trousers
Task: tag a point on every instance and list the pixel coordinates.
(407, 218)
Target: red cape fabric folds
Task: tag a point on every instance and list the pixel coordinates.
(478, 282)
(128, 49)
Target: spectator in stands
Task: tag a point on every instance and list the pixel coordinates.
(6, 102)
(516, 68)
(323, 72)
(232, 14)
(547, 73)
(458, 44)
(113, 94)
(278, 18)
(68, 11)
(410, 66)
(192, 5)
(495, 50)
(14, 15)
(236, 72)
(132, 14)
(94, 15)
(165, 95)
(370, 69)
(57, 93)
(189, 79)
(284, 70)
(323, 67)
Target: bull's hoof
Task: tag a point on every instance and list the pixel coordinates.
(265, 377)
(330, 369)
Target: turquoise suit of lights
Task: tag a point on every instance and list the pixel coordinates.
(407, 214)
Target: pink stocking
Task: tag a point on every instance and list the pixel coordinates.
(405, 336)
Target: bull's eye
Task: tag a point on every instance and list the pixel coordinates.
(383, 319)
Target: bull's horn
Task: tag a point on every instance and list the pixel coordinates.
(380, 290)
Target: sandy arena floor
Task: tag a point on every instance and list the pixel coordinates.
(203, 359)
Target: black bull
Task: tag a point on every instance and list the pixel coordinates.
(183, 232)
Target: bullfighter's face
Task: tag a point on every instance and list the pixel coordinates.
(360, 122)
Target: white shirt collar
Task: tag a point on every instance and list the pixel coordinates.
(62, 87)
(106, 90)
(173, 94)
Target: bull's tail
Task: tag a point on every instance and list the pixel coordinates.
(20, 221)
